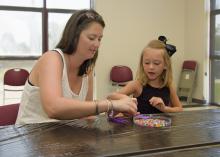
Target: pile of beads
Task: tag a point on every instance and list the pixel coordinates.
(151, 121)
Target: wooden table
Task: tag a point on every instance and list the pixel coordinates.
(192, 132)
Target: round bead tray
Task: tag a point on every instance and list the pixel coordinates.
(150, 120)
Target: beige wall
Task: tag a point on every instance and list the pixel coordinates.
(196, 42)
(131, 24)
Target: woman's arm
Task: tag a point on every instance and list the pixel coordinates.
(48, 77)
(90, 87)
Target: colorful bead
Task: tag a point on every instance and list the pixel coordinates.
(152, 122)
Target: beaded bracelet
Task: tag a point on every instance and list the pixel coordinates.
(108, 103)
(111, 113)
(96, 107)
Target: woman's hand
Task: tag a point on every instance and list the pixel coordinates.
(125, 105)
(158, 103)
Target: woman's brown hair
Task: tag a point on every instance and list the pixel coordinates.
(78, 22)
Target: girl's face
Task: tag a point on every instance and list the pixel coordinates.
(153, 63)
(89, 40)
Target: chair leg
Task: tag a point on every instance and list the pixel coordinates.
(189, 98)
(117, 87)
(3, 98)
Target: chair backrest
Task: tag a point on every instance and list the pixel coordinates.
(187, 80)
(188, 74)
(8, 114)
(120, 74)
(190, 65)
(15, 77)
(13, 81)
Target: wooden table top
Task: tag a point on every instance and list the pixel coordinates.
(190, 131)
(204, 151)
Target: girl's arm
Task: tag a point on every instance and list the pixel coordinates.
(158, 103)
(132, 88)
(176, 105)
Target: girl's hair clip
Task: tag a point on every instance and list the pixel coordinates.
(171, 49)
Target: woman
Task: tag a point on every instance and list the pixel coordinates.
(60, 84)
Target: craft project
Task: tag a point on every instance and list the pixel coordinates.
(152, 120)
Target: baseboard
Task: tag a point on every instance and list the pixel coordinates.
(214, 104)
(195, 102)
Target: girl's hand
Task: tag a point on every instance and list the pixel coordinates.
(158, 103)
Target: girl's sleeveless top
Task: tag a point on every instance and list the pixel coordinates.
(148, 92)
(31, 109)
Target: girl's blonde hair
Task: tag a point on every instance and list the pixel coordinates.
(166, 76)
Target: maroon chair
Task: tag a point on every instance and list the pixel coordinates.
(120, 75)
(187, 80)
(8, 114)
(14, 80)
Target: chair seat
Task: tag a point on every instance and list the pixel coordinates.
(8, 114)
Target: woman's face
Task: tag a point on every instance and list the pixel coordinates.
(89, 40)
(153, 63)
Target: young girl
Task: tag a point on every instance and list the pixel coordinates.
(153, 86)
